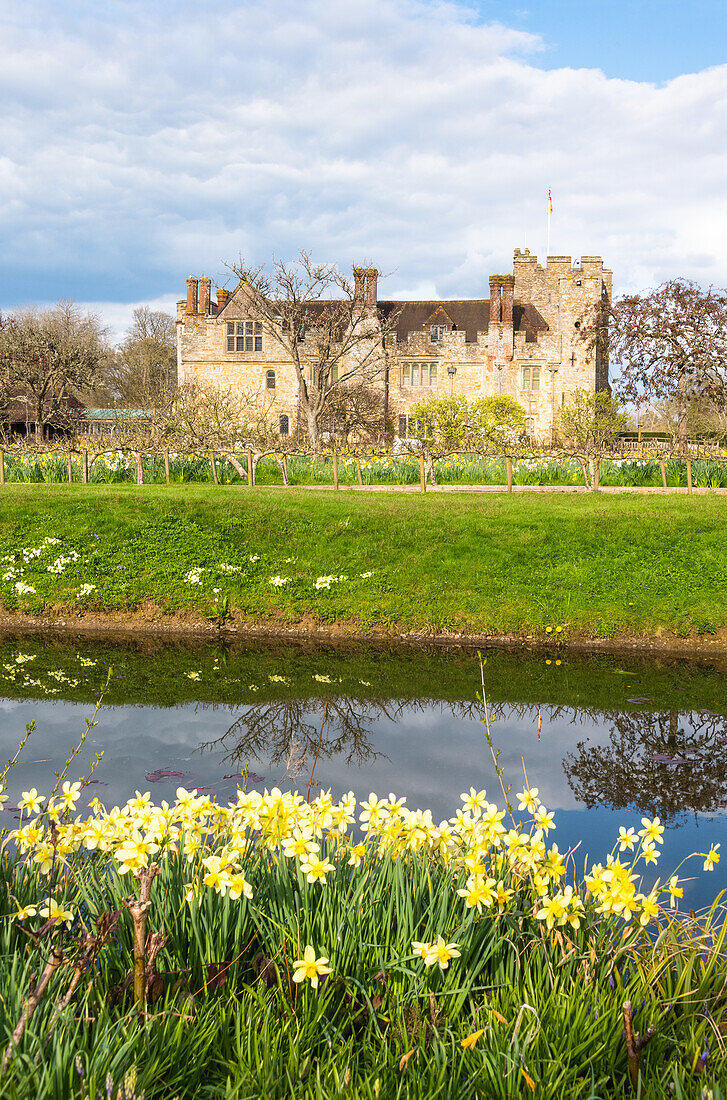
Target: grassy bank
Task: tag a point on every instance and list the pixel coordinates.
(554, 568)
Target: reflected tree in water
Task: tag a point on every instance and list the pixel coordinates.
(662, 763)
(292, 732)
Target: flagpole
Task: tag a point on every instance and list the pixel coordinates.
(550, 211)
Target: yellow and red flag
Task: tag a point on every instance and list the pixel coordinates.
(550, 202)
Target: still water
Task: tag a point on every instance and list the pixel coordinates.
(618, 738)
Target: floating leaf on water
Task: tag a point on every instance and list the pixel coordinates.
(639, 699)
(163, 773)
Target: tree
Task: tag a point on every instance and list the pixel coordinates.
(145, 366)
(670, 344)
(658, 763)
(588, 424)
(355, 408)
(47, 356)
(327, 326)
(440, 422)
(496, 420)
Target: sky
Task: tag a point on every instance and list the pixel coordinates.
(142, 141)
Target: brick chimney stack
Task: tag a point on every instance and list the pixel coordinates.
(508, 298)
(191, 294)
(222, 296)
(493, 332)
(204, 295)
(495, 290)
(359, 275)
(371, 288)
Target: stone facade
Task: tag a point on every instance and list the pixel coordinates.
(522, 341)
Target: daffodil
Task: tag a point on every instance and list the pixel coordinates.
(674, 889)
(478, 892)
(469, 1042)
(309, 968)
(31, 801)
(441, 953)
(712, 858)
(56, 912)
(315, 870)
(421, 949)
(25, 911)
(627, 838)
(70, 793)
(652, 830)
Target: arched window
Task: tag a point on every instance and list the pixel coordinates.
(270, 380)
(284, 425)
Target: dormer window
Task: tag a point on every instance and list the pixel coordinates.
(244, 336)
(436, 333)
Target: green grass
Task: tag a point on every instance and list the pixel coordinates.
(554, 567)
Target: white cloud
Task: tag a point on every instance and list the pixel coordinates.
(144, 141)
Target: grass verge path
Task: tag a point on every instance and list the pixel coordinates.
(556, 566)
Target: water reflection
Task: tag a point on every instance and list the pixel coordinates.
(297, 733)
(663, 763)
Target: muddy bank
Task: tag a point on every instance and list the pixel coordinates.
(150, 622)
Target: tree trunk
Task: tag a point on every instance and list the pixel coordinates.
(358, 472)
(584, 470)
(214, 468)
(250, 472)
(335, 469)
(594, 464)
(508, 464)
(166, 467)
(422, 473)
(689, 476)
(2, 466)
(139, 468)
(70, 468)
(84, 466)
(663, 473)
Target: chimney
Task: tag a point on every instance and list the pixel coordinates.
(222, 296)
(358, 287)
(191, 294)
(495, 290)
(204, 295)
(508, 296)
(371, 288)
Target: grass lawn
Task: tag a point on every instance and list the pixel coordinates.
(557, 566)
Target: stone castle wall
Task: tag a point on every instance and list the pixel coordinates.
(493, 363)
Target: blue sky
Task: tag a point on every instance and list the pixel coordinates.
(652, 40)
(142, 141)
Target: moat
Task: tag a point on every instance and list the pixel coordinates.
(606, 740)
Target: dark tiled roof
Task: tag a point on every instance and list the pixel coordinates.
(469, 314)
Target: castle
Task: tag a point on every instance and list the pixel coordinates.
(522, 341)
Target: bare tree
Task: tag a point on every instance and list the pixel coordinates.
(327, 326)
(670, 344)
(48, 356)
(144, 369)
(355, 409)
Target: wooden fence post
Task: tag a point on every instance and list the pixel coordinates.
(508, 465)
(663, 472)
(358, 472)
(2, 466)
(335, 469)
(214, 468)
(422, 473)
(249, 468)
(166, 467)
(689, 476)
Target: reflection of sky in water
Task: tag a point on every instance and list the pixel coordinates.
(429, 754)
